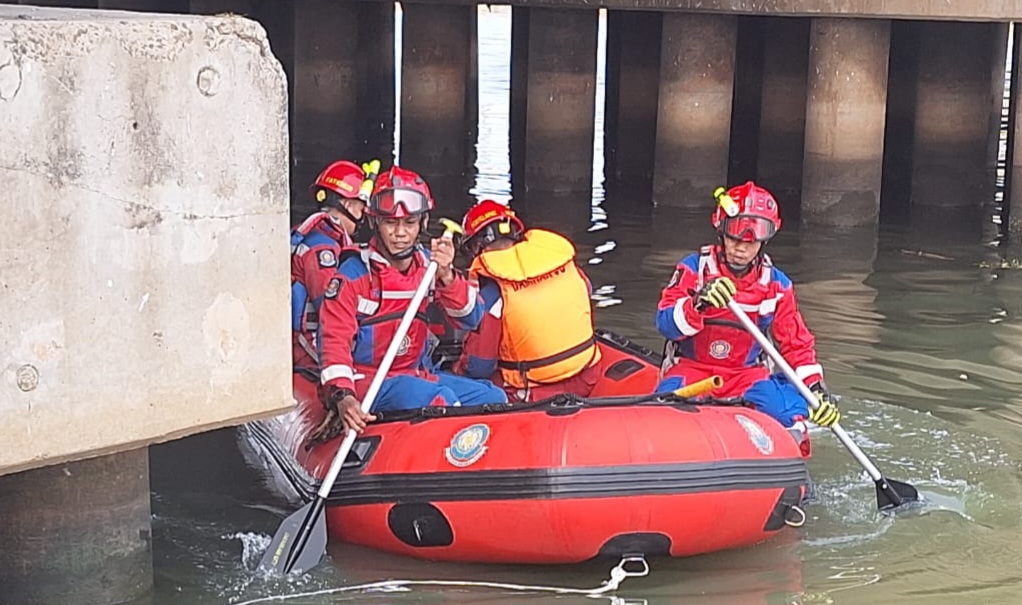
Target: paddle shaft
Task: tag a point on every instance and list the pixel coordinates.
(316, 510)
(810, 398)
(378, 378)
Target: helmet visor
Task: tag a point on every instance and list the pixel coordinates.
(397, 203)
(748, 228)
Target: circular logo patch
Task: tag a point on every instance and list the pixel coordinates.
(467, 445)
(756, 434)
(333, 287)
(403, 347)
(720, 349)
(327, 258)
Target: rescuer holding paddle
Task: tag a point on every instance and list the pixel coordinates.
(706, 338)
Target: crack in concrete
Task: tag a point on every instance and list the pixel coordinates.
(5, 77)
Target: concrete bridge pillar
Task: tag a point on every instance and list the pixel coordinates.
(278, 19)
(77, 532)
(1013, 201)
(553, 99)
(633, 78)
(845, 113)
(697, 72)
(324, 94)
(153, 208)
(340, 87)
(953, 110)
(748, 91)
(782, 109)
(952, 116)
(438, 91)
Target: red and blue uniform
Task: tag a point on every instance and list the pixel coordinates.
(362, 307)
(316, 247)
(714, 342)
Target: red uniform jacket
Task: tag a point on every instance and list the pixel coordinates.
(715, 336)
(362, 307)
(316, 247)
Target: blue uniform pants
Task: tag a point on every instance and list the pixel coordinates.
(404, 392)
(775, 396)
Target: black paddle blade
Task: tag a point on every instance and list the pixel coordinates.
(288, 552)
(891, 494)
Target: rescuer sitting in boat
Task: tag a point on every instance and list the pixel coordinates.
(706, 338)
(538, 326)
(316, 246)
(365, 300)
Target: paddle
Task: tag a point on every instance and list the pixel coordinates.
(300, 542)
(890, 494)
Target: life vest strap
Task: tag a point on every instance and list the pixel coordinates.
(375, 319)
(724, 322)
(525, 366)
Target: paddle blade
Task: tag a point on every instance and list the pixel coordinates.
(891, 494)
(287, 553)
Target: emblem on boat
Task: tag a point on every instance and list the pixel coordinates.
(468, 445)
(719, 349)
(756, 434)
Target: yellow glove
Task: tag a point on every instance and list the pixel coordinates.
(717, 293)
(826, 414)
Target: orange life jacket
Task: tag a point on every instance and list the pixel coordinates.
(547, 318)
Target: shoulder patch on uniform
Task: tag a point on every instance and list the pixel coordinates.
(674, 279)
(327, 258)
(333, 287)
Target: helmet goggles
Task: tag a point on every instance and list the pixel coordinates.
(398, 203)
(748, 228)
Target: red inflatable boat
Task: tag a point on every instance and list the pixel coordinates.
(561, 481)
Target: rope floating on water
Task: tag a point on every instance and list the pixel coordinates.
(617, 575)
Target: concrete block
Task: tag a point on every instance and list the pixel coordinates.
(144, 263)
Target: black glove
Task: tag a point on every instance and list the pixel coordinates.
(333, 395)
(331, 426)
(826, 413)
(716, 293)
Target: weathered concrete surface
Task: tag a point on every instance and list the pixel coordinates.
(782, 120)
(845, 109)
(633, 79)
(342, 86)
(77, 532)
(951, 10)
(1014, 156)
(438, 66)
(325, 91)
(697, 73)
(143, 240)
(560, 94)
(952, 115)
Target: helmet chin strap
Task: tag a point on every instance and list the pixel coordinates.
(406, 253)
(738, 270)
(339, 205)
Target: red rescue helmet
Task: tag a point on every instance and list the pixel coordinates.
(343, 178)
(398, 193)
(486, 222)
(754, 215)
